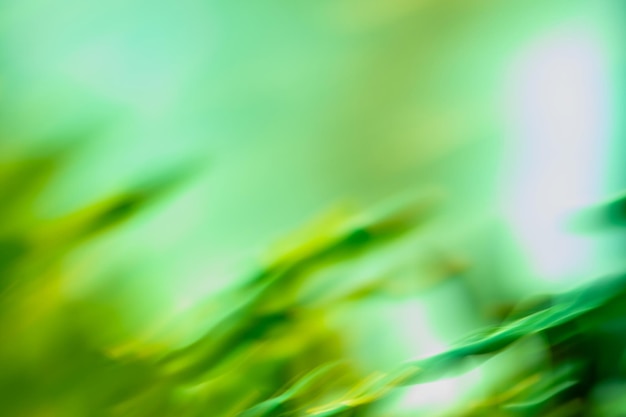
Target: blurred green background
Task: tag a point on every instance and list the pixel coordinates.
(507, 114)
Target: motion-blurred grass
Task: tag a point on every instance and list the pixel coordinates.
(269, 349)
(160, 164)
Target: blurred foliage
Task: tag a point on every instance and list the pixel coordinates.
(611, 214)
(270, 351)
(302, 104)
(322, 100)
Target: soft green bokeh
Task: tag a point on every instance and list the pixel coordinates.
(507, 112)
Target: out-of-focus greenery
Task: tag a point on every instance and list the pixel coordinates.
(269, 350)
(497, 120)
(63, 359)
